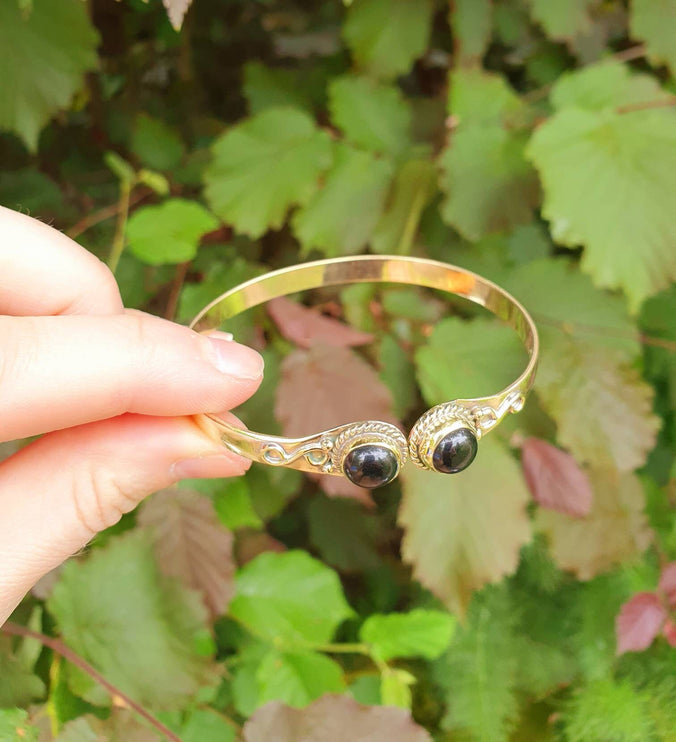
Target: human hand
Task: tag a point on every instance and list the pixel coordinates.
(112, 390)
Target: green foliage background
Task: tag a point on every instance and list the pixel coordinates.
(530, 140)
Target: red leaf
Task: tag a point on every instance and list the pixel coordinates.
(555, 479)
(638, 622)
(306, 327)
(667, 584)
(669, 632)
(328, 386)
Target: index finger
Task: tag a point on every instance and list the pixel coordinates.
(43, 272)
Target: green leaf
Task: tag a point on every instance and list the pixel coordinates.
(45, 54)
(420, 633)
(471, 26)
(476, 96)
(489, 185)
(562, 20)
(458, 361)
(654, 21)
(395, 688)
(297, 678)
(602, 407)
(605, 85)
(264, 166)
(414, 188)
(31, 192)
(170, 232)
(289, 598)
(340, 218)
(479, 671)
(124, 172)
(121, 726)
(528, 243)
(448, 522)
(117, 598)
(15, 727)
(19, 684)
(154, 180)
(234, 506)
(625, 164)
(343, 533)
(268, 87)
(375, 117)
(387, 36)
(205, 725)
(155, 143)
(607, 710)
(398, 373)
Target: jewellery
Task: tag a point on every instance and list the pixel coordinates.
(371, 453)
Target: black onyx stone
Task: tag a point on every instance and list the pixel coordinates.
(371, 465)
(455, 451)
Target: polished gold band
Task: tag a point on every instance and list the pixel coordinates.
(371, 453)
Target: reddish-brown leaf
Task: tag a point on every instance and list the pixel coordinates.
(327, 386)
(555, 479)
(332, 718)
(191, 544)
(638, 622)
(252, 543)
(669, 632)
(176, 10)
(307, 327)
(667, 585)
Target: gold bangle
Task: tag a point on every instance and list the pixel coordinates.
(371, 453)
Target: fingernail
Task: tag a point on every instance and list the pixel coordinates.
(234, 359)
(210, 467)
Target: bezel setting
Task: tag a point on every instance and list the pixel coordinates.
(432, 427)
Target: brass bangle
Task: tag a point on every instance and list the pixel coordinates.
(371, 453)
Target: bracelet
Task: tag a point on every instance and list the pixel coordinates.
(371, 453)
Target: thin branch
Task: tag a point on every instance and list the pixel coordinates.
(107, 212)
(643, 105)
(176, 286)
(628, 55)
(61, 649)
(121, 226)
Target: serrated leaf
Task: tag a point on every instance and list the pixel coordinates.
(667, 583)
(528, 243)
(602, 407)
(234, 506)
(332, 719)
(489, 186)
(562, 20)
(170, 232)
(639, 622)
(414, 188)
(306, 326)
(420, 633)
(270, 87)
(471, 26)
(625, 164)
(15, 726)
(370, 115)
(337, 387)
(289, 598)
(117, 598)
(18, 684)
(465, 530)
(607, 710)
(155, 143)
(398, 373)
(458, 361)
(206, 725)
(32, 192)
(345, 536)
(555, 479)
(386, 36)
(654, 21)
(191, 545)
(340, 218)
(45, 54)
(478, 97)
(604, 85)
(615, 530)
(264, 166)
(297, 678)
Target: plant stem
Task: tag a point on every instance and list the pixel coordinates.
(61, 649)
(107, 212)
(341, 648)
(121, 226)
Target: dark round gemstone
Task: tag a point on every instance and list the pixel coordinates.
(455, 451)
(371, 465)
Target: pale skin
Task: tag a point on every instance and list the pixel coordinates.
(110, 391)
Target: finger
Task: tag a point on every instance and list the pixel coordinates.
(56, 493)
(57, 372)
(44, 272)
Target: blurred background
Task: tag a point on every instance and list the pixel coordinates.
(194, 146)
